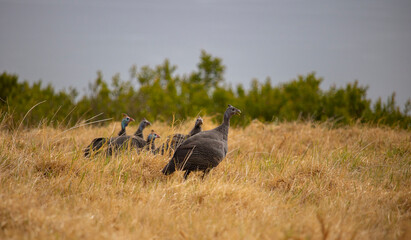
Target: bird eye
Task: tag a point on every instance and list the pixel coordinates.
(128, 119)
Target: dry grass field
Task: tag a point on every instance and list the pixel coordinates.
(279, 181)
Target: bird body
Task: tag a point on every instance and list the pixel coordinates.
(204, 150)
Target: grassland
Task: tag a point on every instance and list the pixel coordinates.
(279, 181)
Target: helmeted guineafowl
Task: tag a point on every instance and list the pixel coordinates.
(203, 151)
(175, 140)
(151, 141)
(143, 124)
(98, 143)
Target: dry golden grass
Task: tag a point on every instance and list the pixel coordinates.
(286, 181)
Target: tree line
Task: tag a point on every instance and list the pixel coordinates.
(158, 93)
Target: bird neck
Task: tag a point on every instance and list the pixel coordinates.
(150, 141)
(122, 131)
(195, 130)
(223, 128)
(139, 132)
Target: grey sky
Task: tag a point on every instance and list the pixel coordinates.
(66, 42)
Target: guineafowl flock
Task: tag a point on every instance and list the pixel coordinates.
(196, 151)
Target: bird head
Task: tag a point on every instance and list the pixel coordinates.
(152, 136)
(126, 120)
(199, 121)
(232, 111)
(144, 123)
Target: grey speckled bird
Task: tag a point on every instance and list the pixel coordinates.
(203, 151)
(175, 140)
(98, 143)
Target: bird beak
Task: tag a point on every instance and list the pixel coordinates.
(158, 136)
(238, 112)
(132, 119)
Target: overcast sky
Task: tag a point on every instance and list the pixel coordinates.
(66, 42)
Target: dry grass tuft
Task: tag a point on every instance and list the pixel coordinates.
(286, 181)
